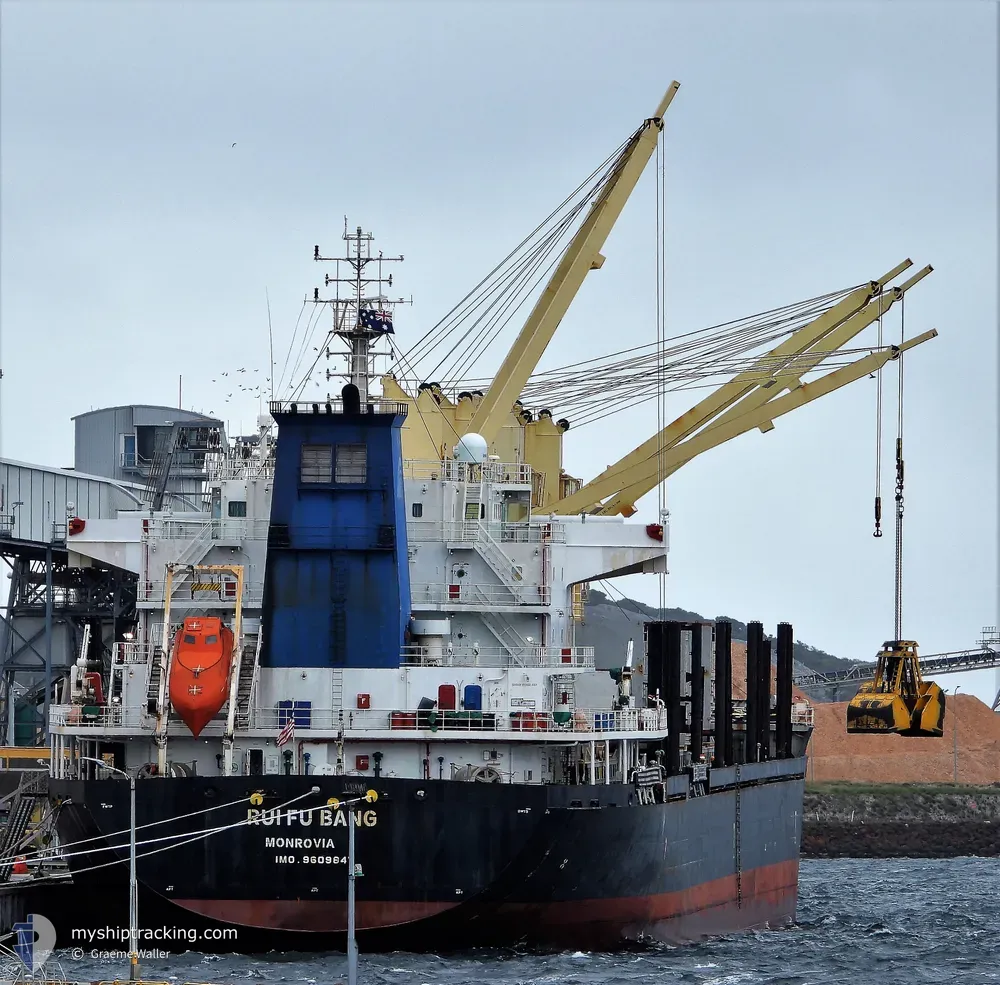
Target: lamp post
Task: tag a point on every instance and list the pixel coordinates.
(352, 944)
(954, 734)
(353, 871)
(133, 886)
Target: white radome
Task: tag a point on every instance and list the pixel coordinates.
(471, 447)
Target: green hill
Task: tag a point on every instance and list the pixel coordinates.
(610, 623)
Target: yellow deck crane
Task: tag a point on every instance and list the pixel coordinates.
(753, 399)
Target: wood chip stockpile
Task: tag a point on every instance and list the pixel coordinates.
(740, 674)
(835, 755)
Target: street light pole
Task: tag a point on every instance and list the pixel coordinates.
(352, 944)
(133, 885)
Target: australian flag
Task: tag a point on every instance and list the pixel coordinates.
(376, 321)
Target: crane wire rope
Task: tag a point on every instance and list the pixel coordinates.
(202, 835)
(878, 435)
(307, 336)
(451, 320)
(291, 344)
(898, 592)
(722, 350)
(520, 275)
(511, 304)
(47, 852)
(417, 351)
(795, 314)
(660, 195)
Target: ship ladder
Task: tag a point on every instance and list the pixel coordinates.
(153, 687)
(337, 689)
(247, 679)
(14, 832)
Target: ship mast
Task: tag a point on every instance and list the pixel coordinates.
(359, 319)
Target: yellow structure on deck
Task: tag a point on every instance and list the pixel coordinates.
(899, 699)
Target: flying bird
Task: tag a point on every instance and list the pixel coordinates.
(234, 143)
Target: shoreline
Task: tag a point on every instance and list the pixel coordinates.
(843, 820)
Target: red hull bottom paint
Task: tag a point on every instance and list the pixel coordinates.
(316, 916)
(763, 897)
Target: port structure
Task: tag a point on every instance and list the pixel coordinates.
(982, 657)
(54, 612)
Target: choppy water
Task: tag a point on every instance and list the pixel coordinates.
(860, 922)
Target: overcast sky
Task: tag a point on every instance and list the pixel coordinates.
(812, 146)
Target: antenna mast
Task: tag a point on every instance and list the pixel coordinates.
(359, 319)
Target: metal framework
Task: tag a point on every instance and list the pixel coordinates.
(44, 594)
(986, 655)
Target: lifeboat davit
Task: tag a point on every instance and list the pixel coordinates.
(199, 674)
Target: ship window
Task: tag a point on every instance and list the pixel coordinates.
(317, 463)
(417, 509)
(352, 463)
(188, 638)
(211, 639)
(128, 451)
(238, 508)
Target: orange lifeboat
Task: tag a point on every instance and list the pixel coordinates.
(199, 675)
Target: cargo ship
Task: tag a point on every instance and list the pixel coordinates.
(370, 613)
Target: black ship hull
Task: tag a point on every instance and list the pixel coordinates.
(445, 864)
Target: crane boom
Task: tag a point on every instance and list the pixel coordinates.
(677, 456)
(785, 379)
(581, 255)
(609, 481)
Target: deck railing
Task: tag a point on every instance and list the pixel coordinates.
(466, 532)
(471, 655)
(134, 653)
(476, 596)
(502, 473)
(155, 591)
(462, 720)
(582, 720)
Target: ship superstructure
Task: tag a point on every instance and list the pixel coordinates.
(373, 598)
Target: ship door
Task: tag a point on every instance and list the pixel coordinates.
(255, 762)
(456, 584)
